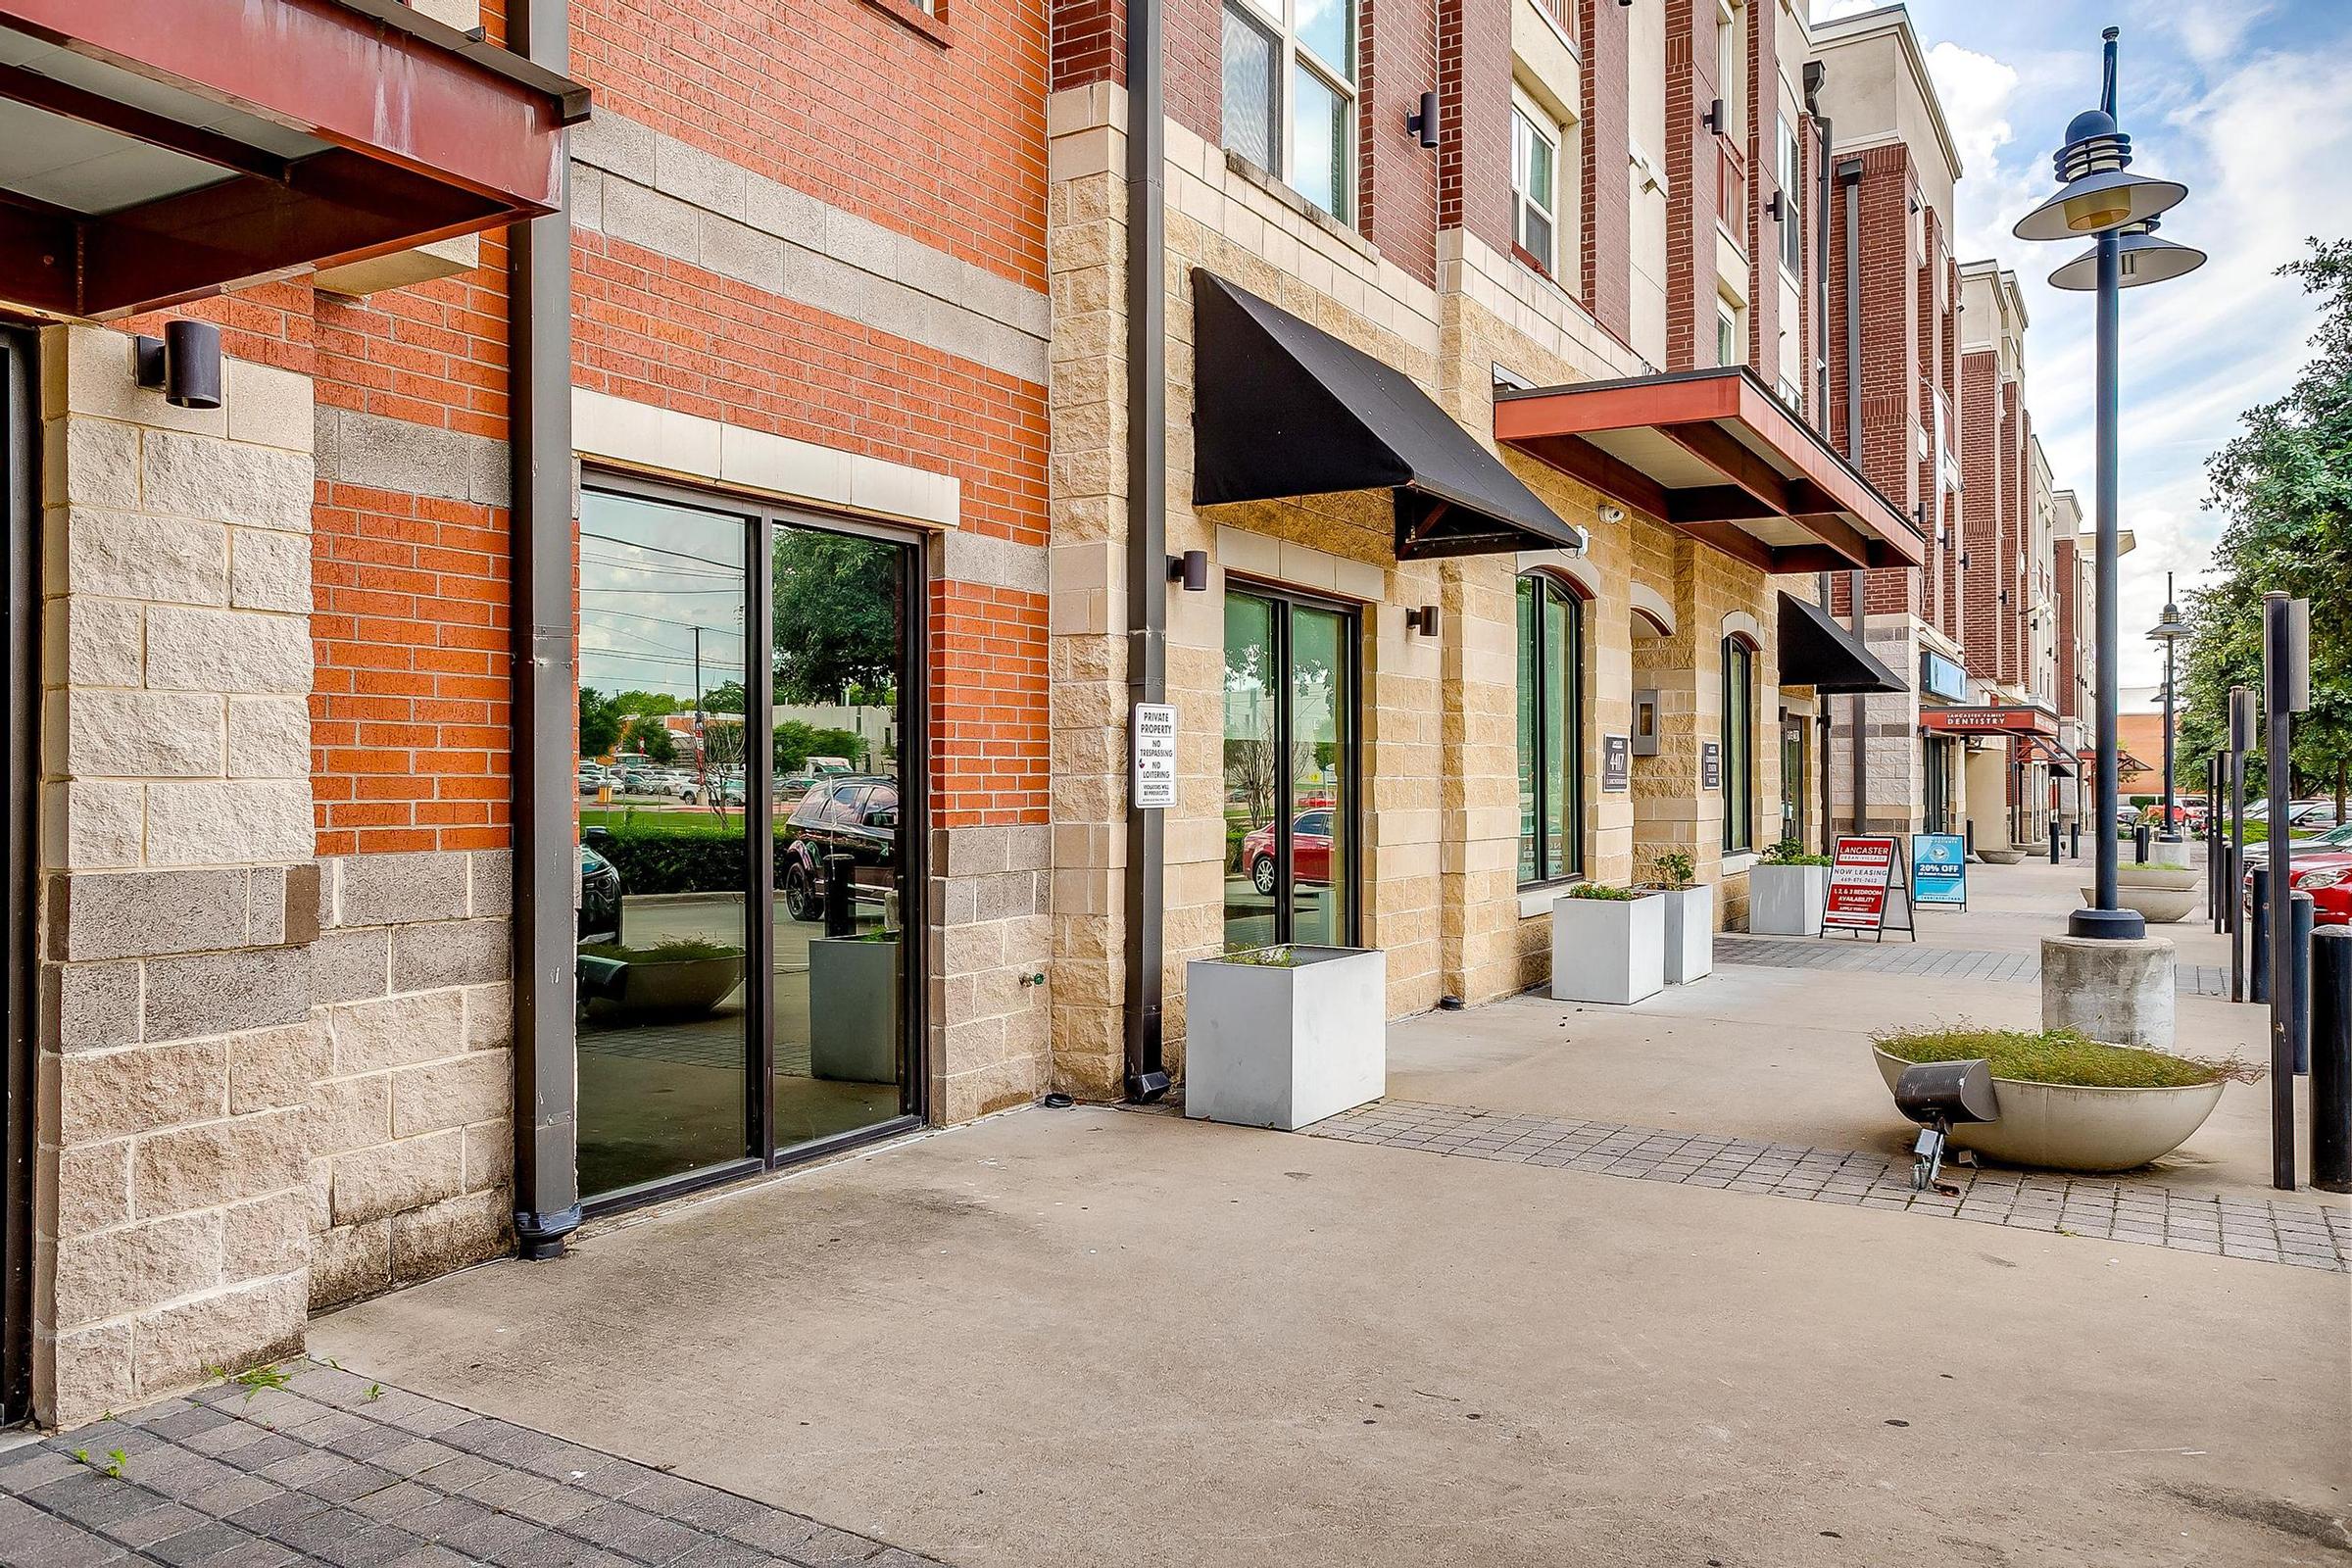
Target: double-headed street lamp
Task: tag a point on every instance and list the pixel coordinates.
(2098, 195)
(2169, 632)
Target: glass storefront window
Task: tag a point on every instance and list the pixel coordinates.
(1290, 772)
(1739, 745)
(1551, 704)
(744, 984)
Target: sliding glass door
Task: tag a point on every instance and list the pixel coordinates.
(749, 828)
(1291, 777)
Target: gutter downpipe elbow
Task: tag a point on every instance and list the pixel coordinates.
(1145, 1077)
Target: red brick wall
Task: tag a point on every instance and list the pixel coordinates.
(1890, 338)
(1397, 177)
(1606, 270)
(1981, 470)
(1690, 173)
(840, 99)
(2069, 614)
(1474, 95)
(2009, 622)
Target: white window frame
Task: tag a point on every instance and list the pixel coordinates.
(1537, 127)
(1789, 158)
(1281, 20)
(1730, 313)
(1730, 70)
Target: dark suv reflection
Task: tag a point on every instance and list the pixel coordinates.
(857, 816)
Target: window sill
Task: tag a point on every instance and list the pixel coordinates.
(1537, 897)
(914, 19)
(1282, 191)
(1735, 864)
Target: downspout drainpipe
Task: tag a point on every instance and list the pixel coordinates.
(1850, 175)
(1146, 1077)
(547, 1177)
(1816, 72)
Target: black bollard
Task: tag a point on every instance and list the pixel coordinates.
(2331, 1059)
(2139, 843)
(2074, 839)
(2053, 842)
(839, 920)
(2298, 967)
(2257, 936)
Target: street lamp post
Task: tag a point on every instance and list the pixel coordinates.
(2169, 632)
(2100, 196)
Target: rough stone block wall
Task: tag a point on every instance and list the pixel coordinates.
(411, 1114)
(175, 1039)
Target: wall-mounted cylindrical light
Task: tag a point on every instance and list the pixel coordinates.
(184, 363)
(1423, 122)
(1423, 620)
(1190, 569)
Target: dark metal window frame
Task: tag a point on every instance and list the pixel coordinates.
(1286, 599)
(1552, 583)
(760, 521)
(20, 701)
(1739, 748)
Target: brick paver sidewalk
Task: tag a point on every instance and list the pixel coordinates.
(2309, 1236)
(1896, 955)
(334, 1469)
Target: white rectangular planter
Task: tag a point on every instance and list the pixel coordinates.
(1787, 901)
(1690, 934)
(1609, 950)
(1283, 1047)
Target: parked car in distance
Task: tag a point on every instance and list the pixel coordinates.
(2327, 877)
(857, 816)
(593, 777)
(1310, 849)
(2339, 836)
(600, 895)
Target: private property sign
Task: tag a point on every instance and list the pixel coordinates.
(1155, 734)
(1860, 873)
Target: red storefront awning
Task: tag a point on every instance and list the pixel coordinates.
(2024, 720)
(154, 151)
(1715, 455)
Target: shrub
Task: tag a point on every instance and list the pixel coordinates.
(2061, 1056)
(1674, 869)
(1790, 852)
(1596, 889)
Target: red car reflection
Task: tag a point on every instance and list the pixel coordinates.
(1311, 850)
(2327, 878)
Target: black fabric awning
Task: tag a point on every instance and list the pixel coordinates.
(1282, 409)
(1817, 652)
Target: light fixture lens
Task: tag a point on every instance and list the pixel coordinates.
(2097, 209)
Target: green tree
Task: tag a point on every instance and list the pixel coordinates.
(796, 741)
(2284, 483)
(653, 739)
(724, 698)
(837, 616)
(600, 723)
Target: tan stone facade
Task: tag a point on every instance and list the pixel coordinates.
(1440, 816)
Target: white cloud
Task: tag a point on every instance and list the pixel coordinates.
(1975, 91)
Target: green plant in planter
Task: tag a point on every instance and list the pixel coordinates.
(1674, 869)
(1790, 852)
(2061, 1056)
(1597, 890)
(677, 949)
(1281, 957)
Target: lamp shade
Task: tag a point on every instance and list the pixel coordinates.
(2171, 630)
(2096, 203)
(2142, 259)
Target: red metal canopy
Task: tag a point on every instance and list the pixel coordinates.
(155, 152)
(1714, 455)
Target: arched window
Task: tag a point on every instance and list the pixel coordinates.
(1738, 744)
(1552, 713)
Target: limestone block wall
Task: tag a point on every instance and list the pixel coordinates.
(1894, 785)
(991, 937)
(178, 896)
(411, 1112)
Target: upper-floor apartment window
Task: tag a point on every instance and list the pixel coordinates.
(1731, 69)
(1792, 176)
(1535, 187)
(1289, 95)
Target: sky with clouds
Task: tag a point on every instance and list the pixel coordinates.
(2241, 100)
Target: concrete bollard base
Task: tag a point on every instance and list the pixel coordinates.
(2120, 991)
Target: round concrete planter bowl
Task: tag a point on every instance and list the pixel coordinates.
(2001, 857)
(2162, 894)
(2068, 1127)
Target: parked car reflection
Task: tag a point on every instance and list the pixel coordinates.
(1311, 850)
(599, 895)
(857, 816)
